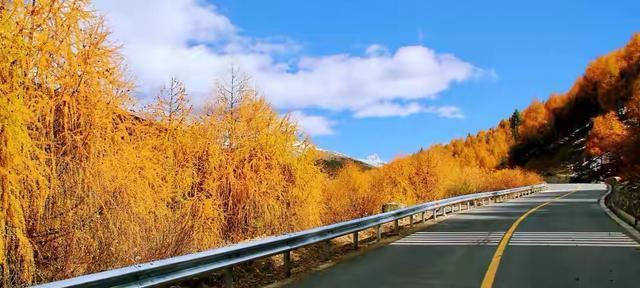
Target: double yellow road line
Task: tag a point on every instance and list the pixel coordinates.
(490, 276)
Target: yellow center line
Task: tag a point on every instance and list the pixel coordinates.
(490, 276)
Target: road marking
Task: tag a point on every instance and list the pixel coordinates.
(490, 276)
(533, 200)
(581, 239)
(525, 238)
(450, 238)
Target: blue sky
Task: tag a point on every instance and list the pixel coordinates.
(496, 55)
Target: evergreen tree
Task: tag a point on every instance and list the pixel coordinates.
(515, 121)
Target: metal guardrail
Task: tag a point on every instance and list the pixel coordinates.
(615, 183)
(182, 267)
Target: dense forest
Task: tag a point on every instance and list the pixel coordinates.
(603, 105)
(89, 183)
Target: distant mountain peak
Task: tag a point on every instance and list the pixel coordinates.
(374, 160)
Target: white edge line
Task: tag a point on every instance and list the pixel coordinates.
(443, 244)
(574, 245)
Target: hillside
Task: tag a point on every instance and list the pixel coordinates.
(332, 162)
(591, 131)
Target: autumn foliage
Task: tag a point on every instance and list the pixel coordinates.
(607, 99)
(607, 135)
(461, 167)
(536, 119)
(87, 185)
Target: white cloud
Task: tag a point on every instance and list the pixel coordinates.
(377, 50)
(344, 82)
(313, 125)
(197, 44)
(446, 111)
(387, 109)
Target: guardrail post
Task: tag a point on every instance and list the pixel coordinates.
(411, 221)
(287, 264)
(435, 214)
(424, 219)
(444, 211)
(378, 233)
(355, 240)
(326, 249)
(228, 277)
(459, 206)
(396, 226)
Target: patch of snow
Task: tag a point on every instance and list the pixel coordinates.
(374, 160)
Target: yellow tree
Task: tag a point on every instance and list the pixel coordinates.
(62, 83)
(607, 135)
(268, 180)
(535, 120)
(349, 195)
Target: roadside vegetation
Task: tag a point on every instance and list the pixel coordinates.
(90, 180)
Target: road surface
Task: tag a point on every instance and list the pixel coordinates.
(557, 238)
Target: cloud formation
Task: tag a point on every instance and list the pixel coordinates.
(386, 109)
(194, 42)
(313, 125)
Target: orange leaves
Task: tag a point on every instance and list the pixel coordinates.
(266, 174)
(556, 103)
(609, 86)
(633, 104)
(441, 171)
(91, 187)
(350, 195)
(607, 135)
(535, 121)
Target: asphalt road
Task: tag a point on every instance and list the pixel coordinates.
(569, 242)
